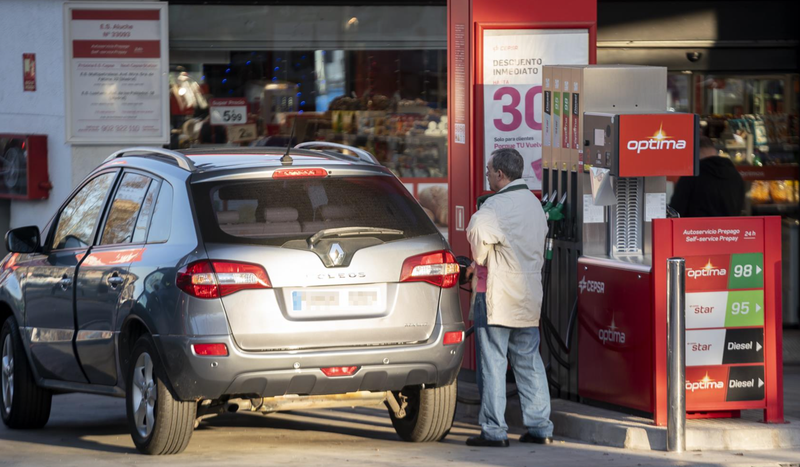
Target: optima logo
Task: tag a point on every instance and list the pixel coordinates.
(709, 270)
(705, 383)
(659, 141)
(611, 334)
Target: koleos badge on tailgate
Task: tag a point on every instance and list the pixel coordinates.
(336, 254)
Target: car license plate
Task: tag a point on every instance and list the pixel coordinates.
(344, 300)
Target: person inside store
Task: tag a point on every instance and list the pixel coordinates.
(507, 236)
(718, 191)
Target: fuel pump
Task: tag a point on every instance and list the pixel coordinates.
(575, 220)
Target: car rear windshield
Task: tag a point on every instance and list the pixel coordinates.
(273, 212)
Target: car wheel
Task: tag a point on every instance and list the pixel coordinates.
(159, 423)
(23, 403)
(429, 413)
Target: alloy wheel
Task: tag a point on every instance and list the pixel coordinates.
(144, 395)
(7, 374)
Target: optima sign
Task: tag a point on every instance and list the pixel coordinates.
(657, 145)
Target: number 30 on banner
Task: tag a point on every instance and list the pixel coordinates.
(510, 97)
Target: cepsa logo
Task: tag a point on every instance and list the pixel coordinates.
(659, 141)
(656, 145)
(591, 286)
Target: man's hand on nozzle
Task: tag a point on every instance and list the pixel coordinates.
(471, 270)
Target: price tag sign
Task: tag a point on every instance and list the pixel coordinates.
(228, 111)
(747, 271)
(242, 133)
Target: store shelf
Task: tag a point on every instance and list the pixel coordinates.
(768, 172)
(774, 209)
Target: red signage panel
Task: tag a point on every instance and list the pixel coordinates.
(657, 145)
(733, 308)
(115, 49)
(703, 236)
(615, 349)
(116, 15)
(29, 72)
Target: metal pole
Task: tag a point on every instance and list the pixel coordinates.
(676, 358)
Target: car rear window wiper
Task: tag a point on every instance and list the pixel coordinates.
(351, 231)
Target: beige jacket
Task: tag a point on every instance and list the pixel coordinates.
(507, 236)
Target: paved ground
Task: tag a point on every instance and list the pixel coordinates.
(91, 431)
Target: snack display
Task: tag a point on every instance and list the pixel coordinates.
(434, 199)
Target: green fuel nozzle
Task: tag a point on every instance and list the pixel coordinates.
(548, 202)
(555, 212)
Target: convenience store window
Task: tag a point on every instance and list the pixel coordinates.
(754, 121)
(679, 87)
(372, 77)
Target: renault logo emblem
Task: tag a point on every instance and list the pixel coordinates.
(336, 254)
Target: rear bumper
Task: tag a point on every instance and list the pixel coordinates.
(269, 374)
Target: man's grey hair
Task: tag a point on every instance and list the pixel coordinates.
(509, 161)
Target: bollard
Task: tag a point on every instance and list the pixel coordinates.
(676, 358)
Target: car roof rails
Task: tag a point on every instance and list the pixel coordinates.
(183, 162)
(361, 154)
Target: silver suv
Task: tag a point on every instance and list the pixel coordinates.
(205, 282)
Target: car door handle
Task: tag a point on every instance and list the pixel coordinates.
(115, 281)
(65, 282)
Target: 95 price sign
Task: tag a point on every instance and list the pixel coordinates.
(228, 111)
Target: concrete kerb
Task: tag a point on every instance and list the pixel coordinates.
(614, 429)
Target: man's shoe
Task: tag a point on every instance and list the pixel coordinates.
(480, 441)
(529, 438)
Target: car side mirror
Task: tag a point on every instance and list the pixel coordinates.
(23, 239)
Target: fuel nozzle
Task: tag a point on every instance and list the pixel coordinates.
(555, 212)
(547, 202)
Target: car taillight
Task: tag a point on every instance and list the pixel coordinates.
(211, 350)
(300, 173)
(215, 279)
(453, 337)
(437, 268)
(339, 371)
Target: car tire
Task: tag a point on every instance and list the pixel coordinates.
(429, 413)
(29, 405)
(159, 423)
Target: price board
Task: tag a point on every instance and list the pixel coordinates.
(733, 334)
(228, 111)
(116, 63)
